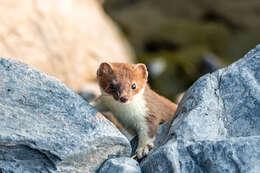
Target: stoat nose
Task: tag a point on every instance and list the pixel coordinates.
(123, 99)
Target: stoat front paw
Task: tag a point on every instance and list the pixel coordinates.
(143, 151)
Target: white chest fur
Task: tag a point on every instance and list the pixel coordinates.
(132, 115)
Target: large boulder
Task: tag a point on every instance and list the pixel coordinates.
(218, 124)
(47, 127)
(66, 39)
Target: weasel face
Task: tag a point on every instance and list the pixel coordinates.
(122, 81)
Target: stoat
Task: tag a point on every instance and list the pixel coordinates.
(126, 94)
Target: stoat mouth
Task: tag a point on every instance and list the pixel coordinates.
(125, 103)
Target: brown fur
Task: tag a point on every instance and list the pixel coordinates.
(123, 75)
(160, 109)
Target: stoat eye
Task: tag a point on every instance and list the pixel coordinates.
(133, 86)
(112, 86)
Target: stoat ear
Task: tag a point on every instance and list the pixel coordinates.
(104, 68)
(142, 70)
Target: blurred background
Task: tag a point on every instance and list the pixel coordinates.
(179, 40)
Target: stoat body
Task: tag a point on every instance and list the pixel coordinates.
(126, 94)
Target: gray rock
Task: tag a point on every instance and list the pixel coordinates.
(46, 127)
(120, 165)
(231, 155)
(163, 159)
(218, 124)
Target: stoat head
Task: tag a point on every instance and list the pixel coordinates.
(122, 81)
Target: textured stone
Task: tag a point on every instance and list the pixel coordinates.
(47, 127)
(162, 160)
(120, 165)
(218, 124)
(223, 104)
(227, 156)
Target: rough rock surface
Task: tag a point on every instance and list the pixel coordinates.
(218, 124)
(47, 127)
(66, 39)
(230, 155)
(120, 165)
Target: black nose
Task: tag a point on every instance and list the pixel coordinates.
(123, 99)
